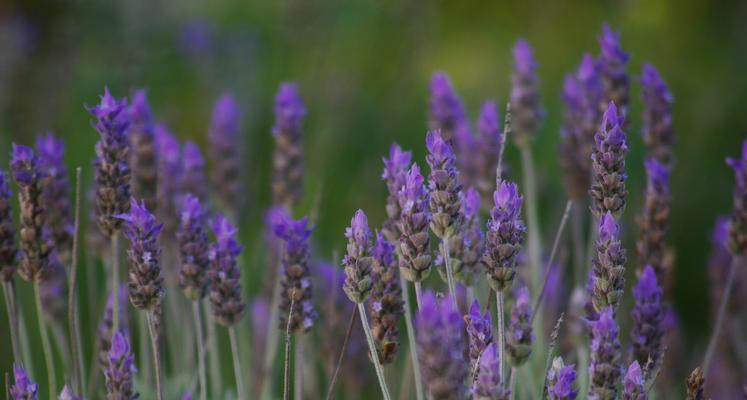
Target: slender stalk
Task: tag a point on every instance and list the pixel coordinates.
(447, 265)
(115, 281)
(156, 352)
(46, 346)
(583, 369)
(512, 382)
(534, 246)
(9, 290)
(418, 293)
(72, 299)
(411, 339)
(28, 362)
(144, 347)
(216, 380)
(197, 315)
(333, 382)
(721, 313)
(372, 348)
(286, 368)
(236, 362)
(578, 241)
(272, 339)
(549, 265)
(298, 369)
(504, 134)
(406, 382)
(501, 330)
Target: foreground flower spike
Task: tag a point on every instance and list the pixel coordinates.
(519, 337)
(505, 235)
(441, 345)
(145, 286)
(193, 249)
(170, 174)
(560, 381)
(68, 394)
(487, 384)
(358, 261)
(480, 332)
(654, 222)
(414, 242)
(466, 246)
(647, 334)
(608, 266)
(296, 279)
(385, 305)
(226, 146)
(56, 192)
(287, 180)
(695, 385)
(35, 238)
(658, 133)
(608, 165)
(738, 221)
(525, 109)
(144, 155)
(105, 333)
(445, 109)
(193, 178)
(395, 176)
(23, 388)
(605, 370)
(119, 373)
(489, 139)
(613, 61)
(8, 247)
(445, 199)
(633, 383)
(225, 279)
(112, 162)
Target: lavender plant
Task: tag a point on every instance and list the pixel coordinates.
(488, 384)
(519, 336)
(56, 193)
(226, 154)
(287, 180)
(395, 176)
(647, 334)
(445, 110)
(654, 222)
(605, 370)
(560, 380)
(23, 388)
(144, 152)
(608, 191)
(658, 133)
(8, 252)
(633, 383)
(121, 370)
(608, 267)
(385, 304)
(414, 243)
(613, 60)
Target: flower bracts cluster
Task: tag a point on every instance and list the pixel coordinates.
(738, 220)
(526, 112)
(560, 381)
(445, 110)
(224, 274)
(358, 261)
(121, 370)
(296, 278)
(696, 385)
(445, 190)
(8, 247)
(487, 384)
(145, 286)
(23, 388)
(658, 133)
(169, 178)
(653, 221)
(226, 153)
(143, 154)
(605, 371)
(519, 337)
(467, 245)
(607, 190)
(647, 334)
(193, 178)
(287, 160)
(106, 326)
(504, 237)
(489, 139)
(414, 242)
(56, 192)
(193, 249)
(385, 305)
(613, 60)
(480, 332)
(634, 383)
(395, 176)
(607, 278)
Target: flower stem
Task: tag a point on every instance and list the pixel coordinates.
(156, 352)
(286, 367)
(418, 293)
(548, 268)
(372, 348)
(200, 349)
(411, 339)
(272, 339)
(115, 281)
(723, 305)
(298, 369)
(236, 362)
(216, 380)
(501, 330)
(534, 246)
(447, 265)
(336, 373)
(46, 346)
(578, 241)
(72, 300)
(9, 290)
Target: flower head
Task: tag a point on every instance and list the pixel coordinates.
(119, 373)
(446, 111)
(68, 394)
(738, 221)
(143, 155)
(526, 112)
(647, 334)
(296, 279)
(613, 60)
(633, 383)
(607, 276)
(8, 247)
(287, 179)
(560, 381)
(56, 191)
(193, 178)
(519, 337)
(608, 191)
(226, 153)
(358, 260)
(145, 285)
(480, 332)
(395, 173)
(604, 369)
(487, 384)
(414, 242)
(505, 236)
(658, 133)
(193, 249)
(445, 197)
(385, 304)
(224, 273)
(23, 388)
(489, 139)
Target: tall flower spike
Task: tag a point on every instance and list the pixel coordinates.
(608, 166)
(23, 388)
(560, 381)
(414, 242)
(613, 60)
(170, 173)
(226, 155)
(105, 334)
(287, 180)
(145, 285)
(53, 290)
(654, 222)
(36, 243)
(446, 111)
(441, 346)
(647, 334)
(112, 162)
(193, 249)
(526, 112)
(119, 373)
(489, 140)
(224, 274)
(719, 263)
(633, 383)
(144, 154)
(658, 133)
(296, 278)
(519, 337)
(738, 221)
(605, 370)
(193, 178)
(505, 235)
(608, 267)
(695, 385)
(358, 261)
(480, 332)
(56, 192)
(8, 247)
(395, 175)
(487, 384)
(445, 196)
(467, 245)
(386, 305)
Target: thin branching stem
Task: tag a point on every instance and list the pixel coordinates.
(372, 348)
(200, 349)
(236, 362)
(343, 349)
(411, 339)
(152, 328)
(504, 135)
(72, 300)
(46, 346)
(723, 305)
(216, 377)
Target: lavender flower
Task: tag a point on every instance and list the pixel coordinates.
(226, 153)
(695, 385)
(487, 384)
(505, 235)
(519, 337)
(608, 166)
(193, 249)
(386, 305)
(145, 286)
(98, 243)
(560, 381)
(395, 176)
(193, 178)
(36, 243)
(119, 373)
(224, 274)
(446, 111)
(633, 383)
(259, 314)
(358, 261)
(489, 140)
(445, 190)
(105, 334)
(144, 155)
(53, 290)
(658, 133)
(719, 264)
(441, 346)
(613, 61)
(608, 267)
(7, 231)
(296, 279)
(525, 109)
(287, 180)
(648, 329)
(56, 192)
(169, 178)
(738, 221)
(112, 162)
(466, 246)
(605, 370)
(24, 388)
(480, 332)
(651, 247)
(68, 394)
(414, 242)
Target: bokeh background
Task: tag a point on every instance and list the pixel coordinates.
(363, 69)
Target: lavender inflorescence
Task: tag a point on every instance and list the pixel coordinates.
(505, 235)
(105, 329)
(226, 153)
(121, 370)
(193, 179)
(56, 192)
(445, 190)
(414, 242)
(653, 221)
(608, 267)
(487, 384)
(144, 154)
(287, 180)
(385, 304)
(358, 260)
(647, 334)
(519, 336)
(738, 220)
(395, 176)
(193, 249)
(224, 274)
(489, 139)
(296, 279)
(633, 383)
(468, 244)
(445, 110)
(145, 286)
(605, 371)
(613, 60)
(480, 332)
(608, 191)
(8, 249)
(658, 133)
(560, 380)
(525, 109)
(23, 388)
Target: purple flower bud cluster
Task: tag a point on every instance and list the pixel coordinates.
(193, 179)
(193, 249)
(446, 111)
(358, 261)
(395, 176)
(696, 385)
(8, 247)
(525, 109)
(560, 381)
(505, 235)
(738, 221)
(658, 133)
(445, 190)
(385, 305)
(121, 370)
(441, 347)
(56, 192)
(224, 273)
(613, 60)
(467, 245)
(226, 153)
(651, 248)
(487, 384)
(488, 140)
(23, 388)
(519, 337)
(480, 332)
(608, 165)
(647, 334)
(68, 394)
(169, 178)
(607, 280)
(53, 290)
(287, 160)
(605, 371)
(145, 286)
(634, 383)
(144, 154)
(112, 162)
(105, 333)
(414, 242)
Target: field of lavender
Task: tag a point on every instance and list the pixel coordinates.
(471, 262)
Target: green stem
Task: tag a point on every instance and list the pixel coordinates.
(372, 348)
(286, 365)
(236, 362)
(447, 265)
(418, 294)
(578, 241)
(216, 380)
(200, 349)
(501, 331)
(156, 352)
(115, 281)
(549, 265)
(534, 246)
(343, 349)
(411, 339)
(9, 291)
(723, 305)
(72, 300)
(298, 369)
(46, 346)
(272, 339)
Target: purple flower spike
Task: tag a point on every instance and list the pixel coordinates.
(386, 304)
(608, 166)
(658, 133)
(446, 111)
(145, 286)
(480, 331)
(607, 278)
(466, 246)
(68, 394)
(651, 247)
(738, 221)
(526, 112)
(358, 261)
(445, 199)
(224, 273)
(647, 334)
(119, 374)
(441, 346)
(519, 337)
(193, 249)
(8, 249)
(487, 384)
(296, 279)
(613, 60)
(169, 178)
(226, 146)
(287, 180)
(144, 155)
(395, 174)
(56, 192)
(23, 388)
(560, 381)
(414, 242)
(105, 334)
(489, 140)
(505, 235)
(193, 178)
(633, 383)
(605, 370)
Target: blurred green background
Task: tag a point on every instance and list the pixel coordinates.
(363, 69)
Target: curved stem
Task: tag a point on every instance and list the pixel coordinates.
(72, 300)
(549, 265)
(418, 293)
(200, 349)
(236, 362)
(156, 352)
(447, 265)
(411, 339)
(9, 291)
(372, 348)
(723, 305)
(501, 330)
(336, 373)
(115, 281)
(298, 369)
(46, 346)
